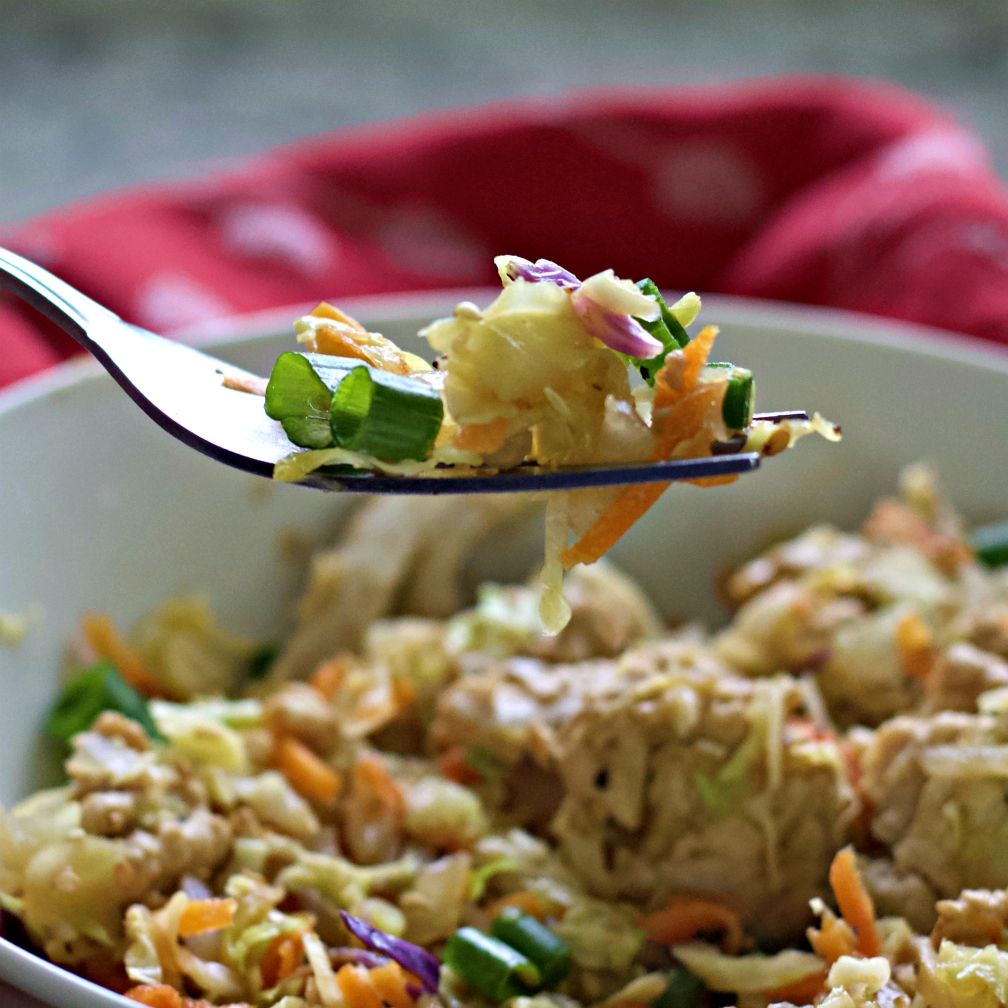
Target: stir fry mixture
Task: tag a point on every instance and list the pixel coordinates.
(411, 804)
(540, 377)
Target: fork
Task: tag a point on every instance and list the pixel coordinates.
(204, 403)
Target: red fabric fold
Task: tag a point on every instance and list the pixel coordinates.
(819, 190)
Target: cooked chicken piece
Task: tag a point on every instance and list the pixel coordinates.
(988, 629)
(787, 627)
(865, 680)
(510, 707)
(100, 763)
(680, 776)
(609, 613)
(395, 549)
(112, 725)
(843, 622)
(844, 607)
(818, 547)
(303, 712)
(959, 677)
(108, 813)
(937, 786)
(508, 716)
(978, 917)
(907, 896)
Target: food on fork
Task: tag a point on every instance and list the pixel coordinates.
(541, 377)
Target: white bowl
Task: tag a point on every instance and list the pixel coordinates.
(104, 511)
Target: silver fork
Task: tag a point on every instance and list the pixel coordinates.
(187, 393)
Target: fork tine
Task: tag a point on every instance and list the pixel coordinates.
(564, 479)
(781, 415)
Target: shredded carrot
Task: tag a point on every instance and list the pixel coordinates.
(252, 384)
(104, 638)
(833, 938)
(915, 642)
(357, 987)
(686, 406)
(631, 504)
(370, 773)
(404, 693)
(712, 481)
(484, 437)
(305, 772)
(685, 418)
(801, 992)
(348, 338)
(685, 919)
(855, 904)
(328, 677)
(201, 916)
(326, 310)
(453, 765)
(524, 900)
(155, 996)
(676, 378)
(283, 955)
(390, 982)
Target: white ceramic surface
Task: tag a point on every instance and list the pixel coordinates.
(102, 510)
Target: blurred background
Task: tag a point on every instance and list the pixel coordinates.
(96, 94)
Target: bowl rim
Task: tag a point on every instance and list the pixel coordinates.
(46, 980)
(838, 323)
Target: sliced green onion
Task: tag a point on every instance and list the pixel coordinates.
(299, 392)
(740, 396)
(385, 415)
(535, 941)
(493, 968)
(665, 328)
(262, 661)
(991, 544)
(87, 695)
(684, 990)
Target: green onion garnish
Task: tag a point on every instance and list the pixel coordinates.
(535, 941)
(740, 396)
(665, 328)
(262, 661)
(385, 415)
(299, 392)
(87, 695)
(991, 544)
(322, 401)
(493, 968)
(684, 991)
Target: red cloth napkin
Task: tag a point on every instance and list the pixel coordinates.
(820, 190)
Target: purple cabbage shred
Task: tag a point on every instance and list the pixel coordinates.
(543, 269)
(356, 957)
(411, 957)
(622, 333)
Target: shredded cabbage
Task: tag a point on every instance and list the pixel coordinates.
(749, 974)
(972, 977)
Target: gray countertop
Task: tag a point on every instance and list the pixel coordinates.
(96, 94)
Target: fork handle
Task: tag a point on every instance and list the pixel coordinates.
(75, 313)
